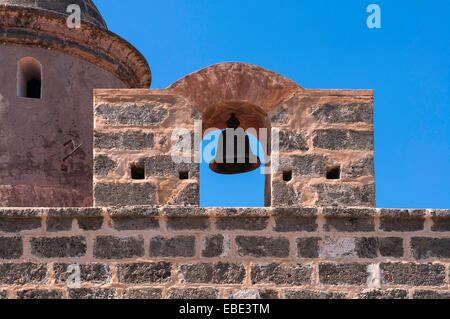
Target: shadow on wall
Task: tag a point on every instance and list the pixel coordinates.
(218, 190)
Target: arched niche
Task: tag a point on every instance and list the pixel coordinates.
(29, 78)
(254, 120)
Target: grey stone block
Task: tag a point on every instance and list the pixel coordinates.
(144, 273)
(339, 139)
(181, 246)
(281, 274)
(124, 194)
(257, 246)
(11, 247)
(110, 247)
(59, 247)
(215, 273)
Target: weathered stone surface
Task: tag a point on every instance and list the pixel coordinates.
(431, 294)
(337, 247)
(423, 247)
(110, 247)
(15, 225)
(188, 196)
(23, 274)
(413, 274)
(338, 139)
(345, 195)
(124, 194)
(344, 113)
(286, 224)
(242, 223)
(281, 274)
(163, 165)
(402, 220)
(313, 294)
(215, 273)
(130, 140)
(71, 212)
(391, 247)
(11, 247)
(293, 141)
(143, 293)
(284, 194)
(403, 213)
(240, 212)
(366, 247)
(132, 114)
(138, 211)
(55, 224)
(253, 294)
(186, 223)
(441, 220)
(193, 293)
(213, 246)
(343, 274)
(181, 246)
(364, 167)
(92, 223)
(344, 212)
(4, 294)
(297, 212)
(440, 224)
(257, 246)
(20, 212)
(308, 247)
(144, 273)
(134, 223)
(280, 117)
(103, 165)
(305, 165)
(40, 294)
(94, 273)
(349, 224)
(295, 219)
(92, 293)
(45, 247)
(383, 294)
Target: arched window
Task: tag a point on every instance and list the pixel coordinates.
(29, 77)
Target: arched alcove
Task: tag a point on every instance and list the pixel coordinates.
(229, 190)
(240, 190)
(29, 78)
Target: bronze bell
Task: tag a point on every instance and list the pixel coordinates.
(240, 158)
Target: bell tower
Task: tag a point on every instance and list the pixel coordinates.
(49, 72)
(318, 143)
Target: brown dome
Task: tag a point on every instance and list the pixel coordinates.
(89, 12)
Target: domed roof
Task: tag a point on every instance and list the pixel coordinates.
(89, 11)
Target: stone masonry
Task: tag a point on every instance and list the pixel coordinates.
(121, 218)
(179, 252)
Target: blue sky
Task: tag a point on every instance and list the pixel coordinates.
(323, 45)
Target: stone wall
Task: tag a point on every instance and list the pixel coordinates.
(177, 252)
(134, 128)
(319, 130)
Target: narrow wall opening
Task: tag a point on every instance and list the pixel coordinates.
(29, 78)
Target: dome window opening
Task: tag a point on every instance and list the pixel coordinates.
(29, 79)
